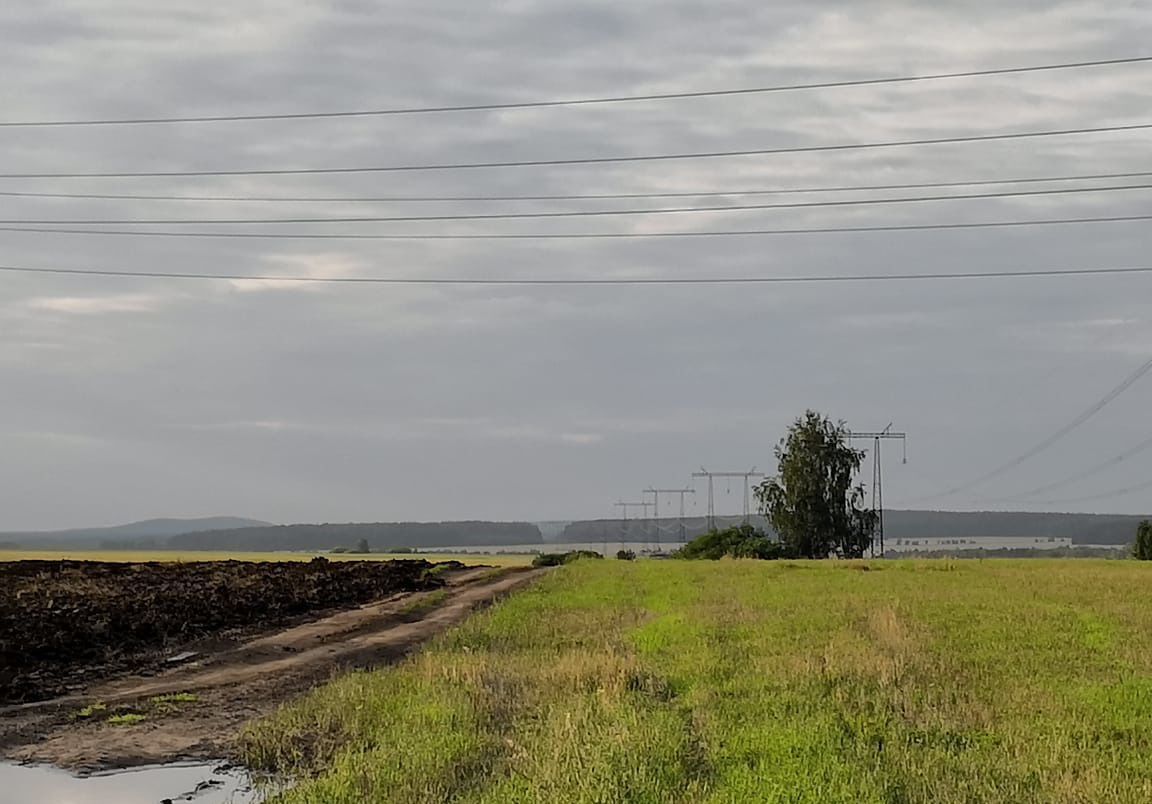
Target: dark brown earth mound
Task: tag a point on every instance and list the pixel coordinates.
(64, 621)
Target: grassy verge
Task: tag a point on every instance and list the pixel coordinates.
(734, 681)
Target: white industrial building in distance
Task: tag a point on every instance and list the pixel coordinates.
(977, 543)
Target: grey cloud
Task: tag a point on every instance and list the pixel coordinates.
(162, 398)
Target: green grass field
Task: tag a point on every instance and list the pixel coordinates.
(212, 555)
(931, 681)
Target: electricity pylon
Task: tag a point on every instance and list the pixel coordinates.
(877, 487)
(643, 506)
(656, 509)
(712, 499)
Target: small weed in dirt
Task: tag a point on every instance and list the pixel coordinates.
(91, 711)
(423, 604)
(170, 704)
(127, 719)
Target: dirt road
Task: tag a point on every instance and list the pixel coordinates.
(195, 711)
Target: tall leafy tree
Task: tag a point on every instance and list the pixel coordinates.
(811, 502)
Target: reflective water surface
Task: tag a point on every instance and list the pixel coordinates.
(202, 783)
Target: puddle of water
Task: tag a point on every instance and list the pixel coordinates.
(194, 783)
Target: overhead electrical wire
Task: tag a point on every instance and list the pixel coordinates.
(1094, 469)
(910, 227)
(587, 101)
(734, 280)
(574, 197)
(1079, 420)
(566, 214)
(741, 280)
(1101, 496)
(591, 160)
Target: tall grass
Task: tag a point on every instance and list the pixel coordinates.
(741, 681)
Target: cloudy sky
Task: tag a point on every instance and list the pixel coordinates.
(127, 398)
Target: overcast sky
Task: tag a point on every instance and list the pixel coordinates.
(127, 398)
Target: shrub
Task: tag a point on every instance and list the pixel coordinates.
(556, 559)
(626, 555)
(740, 541)
(548, 560)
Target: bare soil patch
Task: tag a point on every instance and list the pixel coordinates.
(195, 710)
(63, 623)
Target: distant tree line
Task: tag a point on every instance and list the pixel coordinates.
(1110, 529)
(1080, 528)
(378, 536)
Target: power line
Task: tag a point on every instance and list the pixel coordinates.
(1102, 496)
(1080, 419)
(592, 160)
(1106, 464)
(568, 214)
(911, 227)
(478, 107)
(736, 280)
(571, 197)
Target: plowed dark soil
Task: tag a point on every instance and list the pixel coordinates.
(61, 622)
(196, 710)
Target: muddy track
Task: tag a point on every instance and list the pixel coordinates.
(220, 691)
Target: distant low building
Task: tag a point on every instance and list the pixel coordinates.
(932, 544)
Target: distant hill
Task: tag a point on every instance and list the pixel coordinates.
(379, 535)
(235, 533)
(148, 532)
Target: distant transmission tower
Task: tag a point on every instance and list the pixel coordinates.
(712, 497)
(877, 486)
(643, 506)
(656, 508)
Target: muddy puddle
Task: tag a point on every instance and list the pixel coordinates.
(196, 783)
